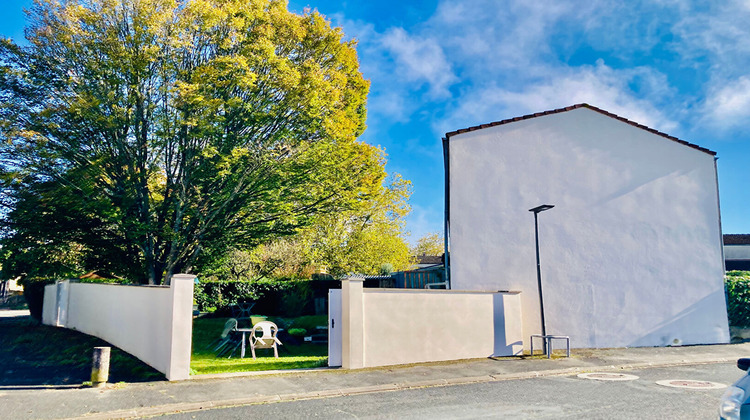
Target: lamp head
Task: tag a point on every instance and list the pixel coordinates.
(541, 208)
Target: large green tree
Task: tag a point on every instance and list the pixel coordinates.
(148, 134)
(364, 239)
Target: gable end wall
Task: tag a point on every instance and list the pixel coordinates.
(631, 255)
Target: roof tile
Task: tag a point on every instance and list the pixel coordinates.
(737, 239)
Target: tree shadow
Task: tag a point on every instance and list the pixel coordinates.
(38, 356)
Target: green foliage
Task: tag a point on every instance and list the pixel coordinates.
(146, 138)
(430, 244)
(738, 273)
(284, 258)
(363, 239)
(103, 281)
(310, 322)
(385, 269)
(273, 297)
(737, 284)
(297, 332)
(366, 239)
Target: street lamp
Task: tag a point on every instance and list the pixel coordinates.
(536, 211)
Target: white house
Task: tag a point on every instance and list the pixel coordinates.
(737, 252)
(631, 254)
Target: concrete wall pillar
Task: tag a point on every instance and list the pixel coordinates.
(182, 326)
(352, 319)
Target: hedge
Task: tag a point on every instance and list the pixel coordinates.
(737, 284)
(272, 297)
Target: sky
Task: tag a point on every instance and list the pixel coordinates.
(679, 66)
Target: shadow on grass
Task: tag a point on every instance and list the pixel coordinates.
(293, 354)
(34, 354)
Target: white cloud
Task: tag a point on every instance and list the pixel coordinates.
(599, 85)
(729, 105)
(493, 35)
(419, 60)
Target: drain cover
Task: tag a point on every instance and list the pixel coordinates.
(607, 376)
(691, 384)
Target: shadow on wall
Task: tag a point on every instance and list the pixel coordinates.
(505, 319)
(679, 330)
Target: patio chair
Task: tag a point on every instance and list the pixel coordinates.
(266, 341)
(228, 339)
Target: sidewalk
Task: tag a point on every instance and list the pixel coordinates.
(210, 391)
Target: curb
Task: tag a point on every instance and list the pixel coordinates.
(274, 398)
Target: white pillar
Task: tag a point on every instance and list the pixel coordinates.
(181, 288)
(352, 319)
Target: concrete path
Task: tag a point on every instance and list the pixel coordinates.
(201, 392)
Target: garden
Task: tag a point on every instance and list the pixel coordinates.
(294, 353)
(290, 304)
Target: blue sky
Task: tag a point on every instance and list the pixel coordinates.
(435, 66)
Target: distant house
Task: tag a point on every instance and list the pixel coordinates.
(428, 272)
(737, 252)
(426, 261)
(631, 254)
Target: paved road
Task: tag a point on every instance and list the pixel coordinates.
(550, 397)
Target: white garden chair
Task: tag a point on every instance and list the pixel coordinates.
(268, 338)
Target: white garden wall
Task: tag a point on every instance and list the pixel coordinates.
(631, 255)
(397, 326)
(153, 323)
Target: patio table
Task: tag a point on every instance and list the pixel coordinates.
(244, 332)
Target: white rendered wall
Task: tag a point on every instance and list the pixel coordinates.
(631, 254)
(49, 307)
(398, 326)
(737, 252)
(152, 323)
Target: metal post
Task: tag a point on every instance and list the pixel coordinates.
(539, 281)
(536, 211)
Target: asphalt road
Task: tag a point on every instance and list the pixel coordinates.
(551, 397)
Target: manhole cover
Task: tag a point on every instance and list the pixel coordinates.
(690, 384)
(607, 376)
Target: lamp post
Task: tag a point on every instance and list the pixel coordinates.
(536, 211)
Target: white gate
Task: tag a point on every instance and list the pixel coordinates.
(334, 327)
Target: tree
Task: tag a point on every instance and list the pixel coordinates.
(366, 239)
(430, 244)
(363, 239)
(153, 134)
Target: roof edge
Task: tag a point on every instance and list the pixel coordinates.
(572, 107)
(736, 239)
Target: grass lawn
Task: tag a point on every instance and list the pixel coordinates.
(292, 355)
